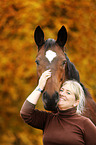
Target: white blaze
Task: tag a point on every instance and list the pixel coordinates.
(50, 55)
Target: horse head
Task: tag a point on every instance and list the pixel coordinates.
(51, 56)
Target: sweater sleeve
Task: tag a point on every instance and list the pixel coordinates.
(32, 116)
(89, 132)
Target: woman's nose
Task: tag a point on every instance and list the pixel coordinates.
(61, 93)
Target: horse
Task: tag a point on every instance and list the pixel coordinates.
(51, 55)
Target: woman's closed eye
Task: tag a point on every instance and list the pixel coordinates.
(68, 93)
(61, 90)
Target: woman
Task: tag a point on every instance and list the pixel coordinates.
(66, 127)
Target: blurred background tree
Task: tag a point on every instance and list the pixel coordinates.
(18, 20)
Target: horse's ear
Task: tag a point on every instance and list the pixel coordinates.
(39, 37)
(62, 36)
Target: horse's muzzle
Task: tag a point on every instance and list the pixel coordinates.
(50, 102)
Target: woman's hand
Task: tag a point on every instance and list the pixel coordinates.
(43, 79)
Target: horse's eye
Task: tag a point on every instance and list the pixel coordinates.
(37, 62)
(64, 62)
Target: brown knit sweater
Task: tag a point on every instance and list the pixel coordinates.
(62, 128)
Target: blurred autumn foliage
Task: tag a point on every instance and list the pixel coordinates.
(18, 20)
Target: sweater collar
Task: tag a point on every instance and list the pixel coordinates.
(67, 113)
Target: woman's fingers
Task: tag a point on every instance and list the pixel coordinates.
(47, 72)
(48, 76)
(45, 75)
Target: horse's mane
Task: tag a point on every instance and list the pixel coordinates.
(49, 43)
(73, 74)
(71, 71)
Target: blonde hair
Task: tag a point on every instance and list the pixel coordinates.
(77, 89)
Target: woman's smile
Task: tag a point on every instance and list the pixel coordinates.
(63, 98)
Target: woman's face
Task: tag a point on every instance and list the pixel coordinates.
(67, 98)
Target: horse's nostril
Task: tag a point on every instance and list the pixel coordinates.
(56, 96)
(45, 97)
